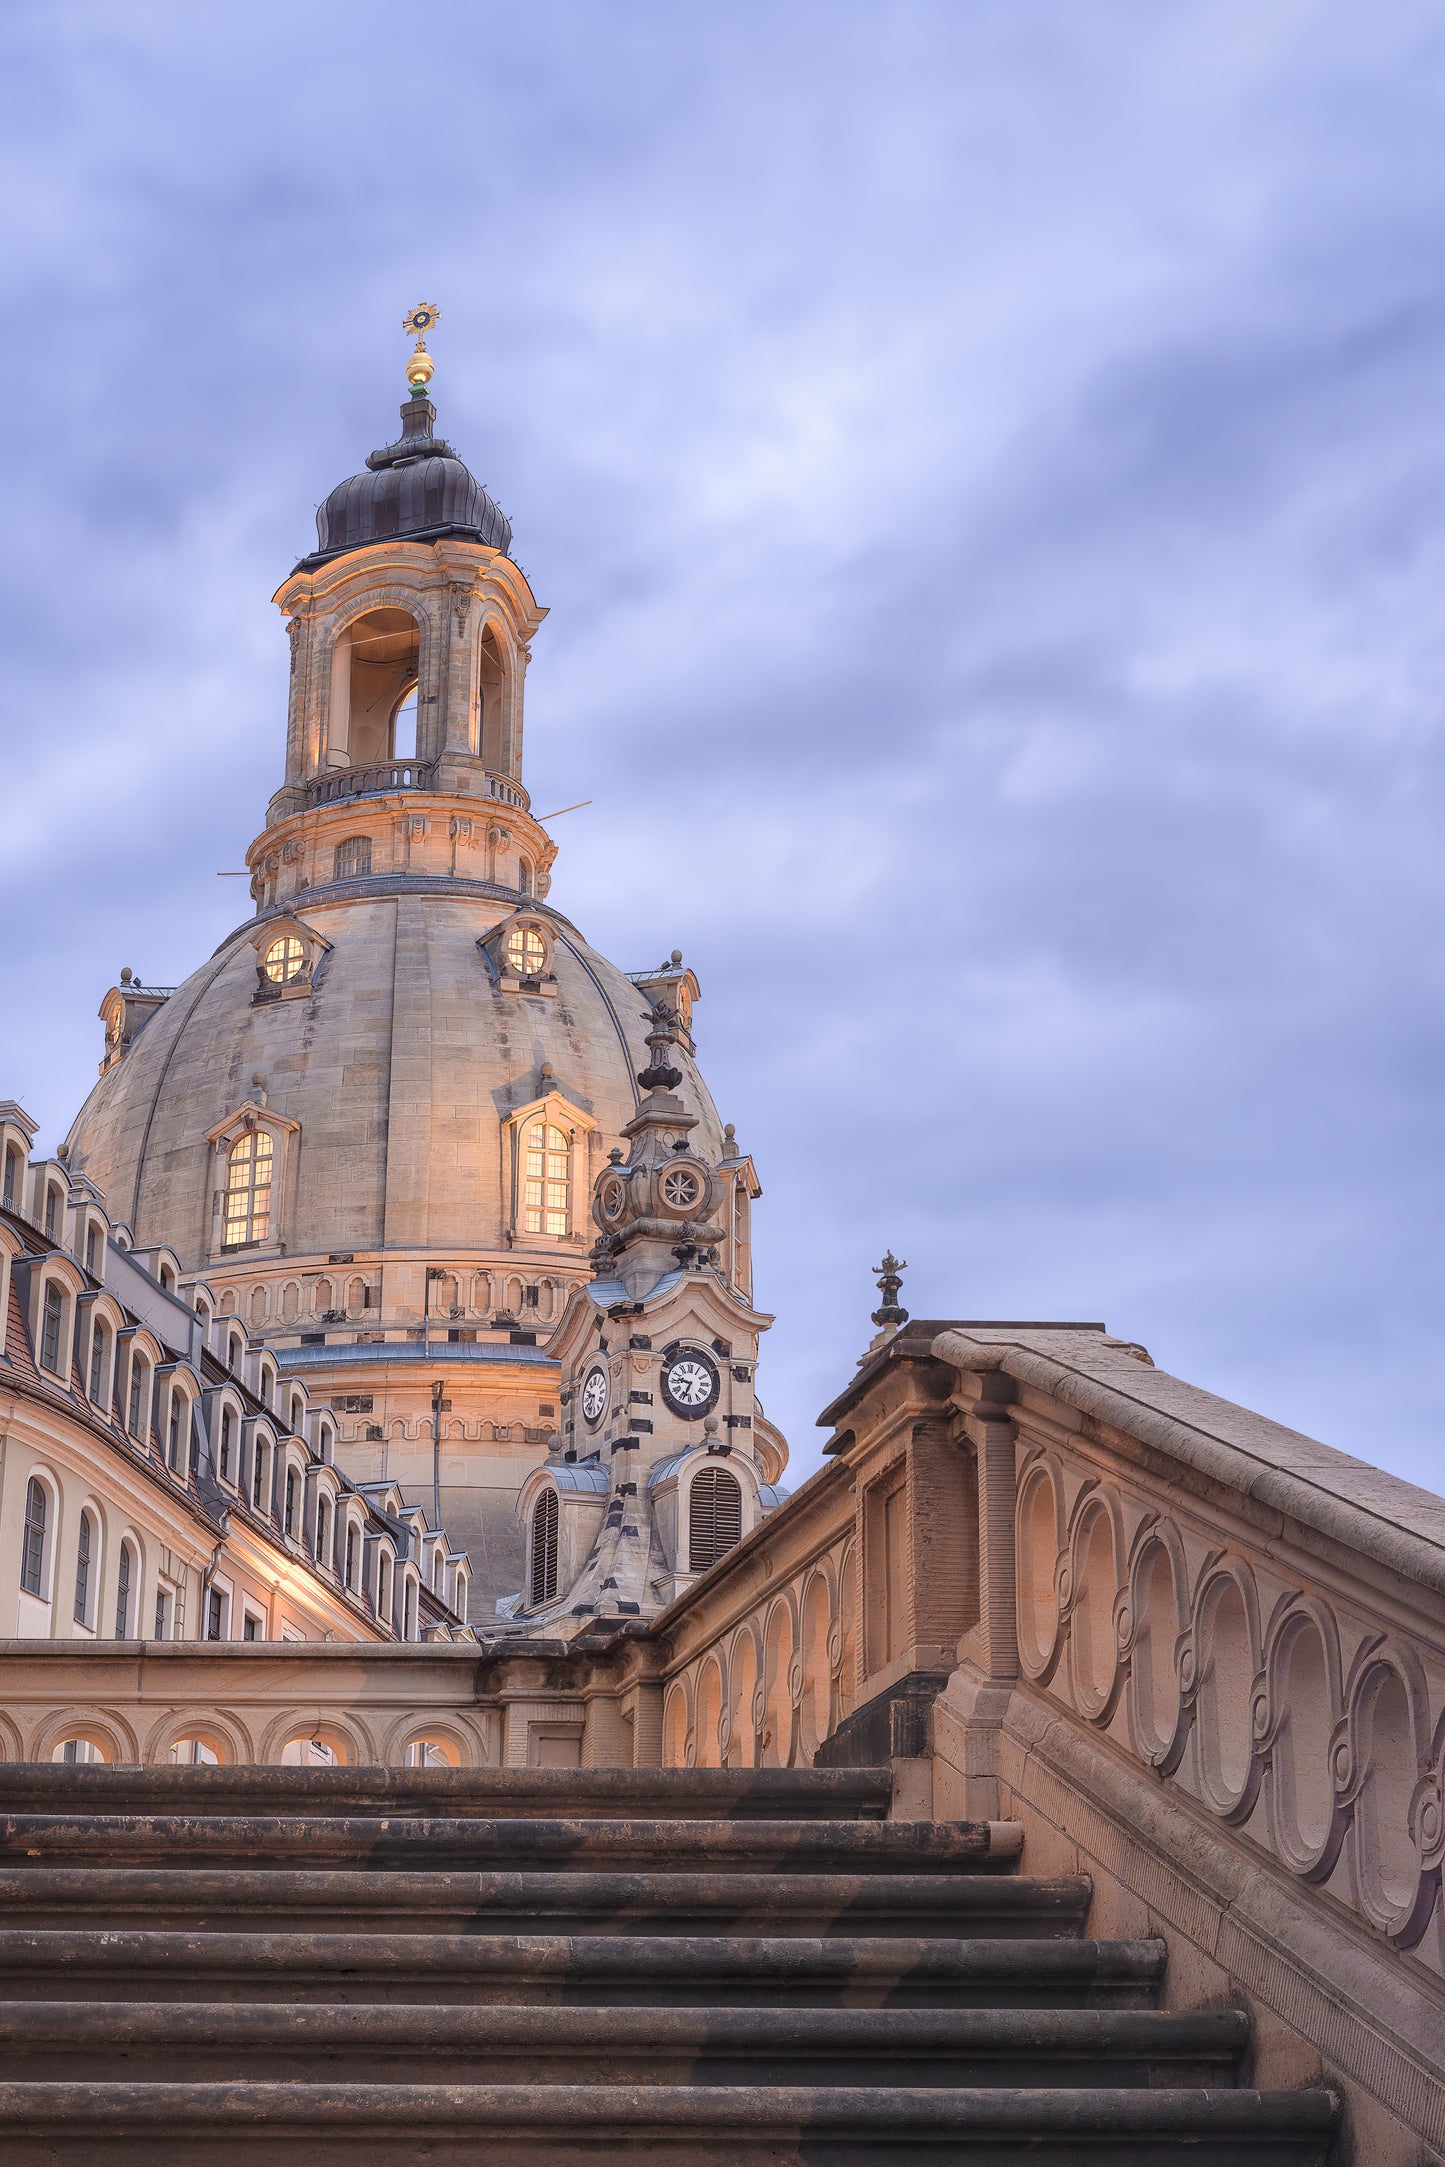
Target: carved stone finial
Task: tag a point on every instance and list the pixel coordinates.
(889, 1275)
(659, 1074)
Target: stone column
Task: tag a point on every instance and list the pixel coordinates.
(967, 1714)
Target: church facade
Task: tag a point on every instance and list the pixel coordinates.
(447, 1165)
(379, 1441)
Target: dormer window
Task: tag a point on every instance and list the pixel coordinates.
(526, 951)
(52, 1315)
(249, 1167)
(520, 953)
(52, 1211)
(289, 953)
(137, 1408)
(284, 960)
(547, 1179)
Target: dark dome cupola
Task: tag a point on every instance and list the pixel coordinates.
(415, 489)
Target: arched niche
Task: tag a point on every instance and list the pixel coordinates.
(374, 669)
(491, 691)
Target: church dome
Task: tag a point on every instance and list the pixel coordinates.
(416, 489)
(390, 1084)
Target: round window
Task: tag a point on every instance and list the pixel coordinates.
(526, 951)
(681, 1188)
(284, 959)
(614, 1196)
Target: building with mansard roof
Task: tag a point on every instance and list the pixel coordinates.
(376, 1121)
(162, 1480)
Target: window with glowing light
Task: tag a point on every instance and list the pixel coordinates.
(248, 1190)
(284, 960)
(526, 951)
(546, 1179)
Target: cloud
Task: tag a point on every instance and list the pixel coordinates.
(985, 467)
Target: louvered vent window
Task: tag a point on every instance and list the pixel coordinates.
(714, 1518)
(544, 1548)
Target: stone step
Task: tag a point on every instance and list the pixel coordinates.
(788, 1794)
(351, 1901)
(217, 2042)
(364, 2125)
(135, 1964)
(756, 1846)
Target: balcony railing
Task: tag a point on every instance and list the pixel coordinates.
(361, 782)
(382, 775)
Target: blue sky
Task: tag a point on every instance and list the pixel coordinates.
(987, 469)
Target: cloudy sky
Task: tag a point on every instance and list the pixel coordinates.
(987, 468)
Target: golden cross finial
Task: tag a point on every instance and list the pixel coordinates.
(419, 365)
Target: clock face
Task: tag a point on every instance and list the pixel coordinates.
(594, 1396)
(690, 1383)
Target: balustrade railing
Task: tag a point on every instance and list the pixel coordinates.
(359, 782)
(382, 775)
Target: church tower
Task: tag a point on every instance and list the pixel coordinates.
(371, 1127)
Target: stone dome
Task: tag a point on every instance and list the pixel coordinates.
(399, 1068)
(414, 489)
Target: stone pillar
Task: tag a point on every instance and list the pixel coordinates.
(967, 1714)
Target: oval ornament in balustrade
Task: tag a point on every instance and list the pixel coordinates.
(1226, 1637)
(1396, 1885)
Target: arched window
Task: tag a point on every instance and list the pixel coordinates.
(403, 726)
(52, 1314)
(249, 1166)
(12, 1175)
(259, 1487)
(138, 1410)
(123, 1592)
(32, 1549)
(52, 1210)
(353, 858)
(83, 1549)
(323, 1528)
(526, 951)
(290, 1510)
(97, 1360)
(92, 1250)
(351, 1553)
(174, 1430)
(544, 1549)
(374, 668)
(227, 1432)
(714, 1517)
(235, 1353)
(547, 1170)
(383, 1587)
(408, 1611)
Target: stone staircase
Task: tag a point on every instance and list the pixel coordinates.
(555, 1967)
